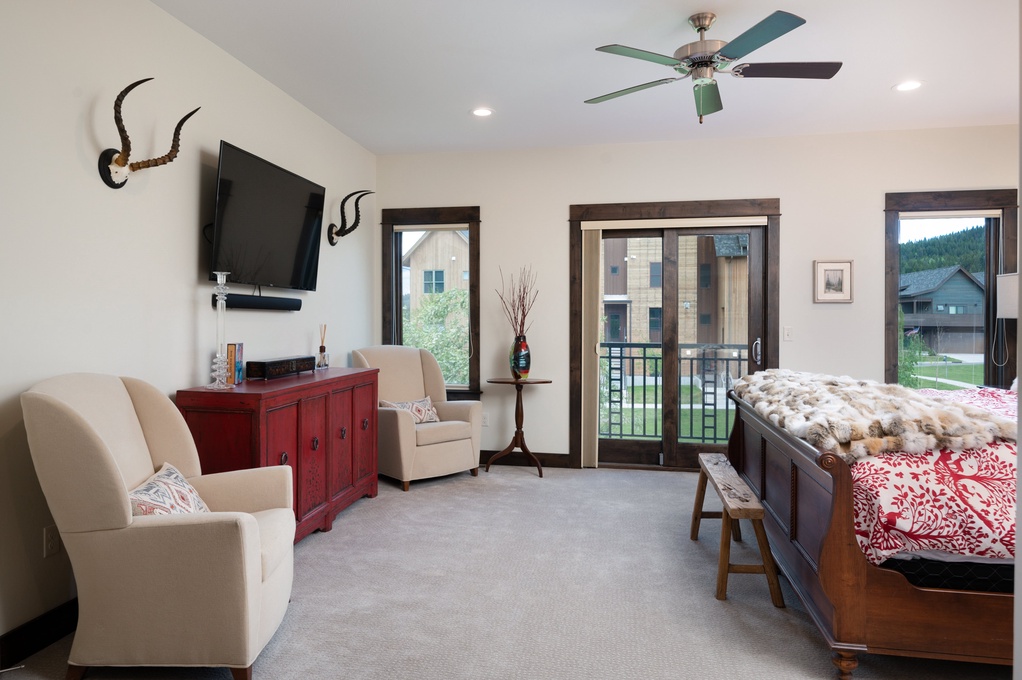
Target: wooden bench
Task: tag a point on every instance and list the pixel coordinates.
(739, 503)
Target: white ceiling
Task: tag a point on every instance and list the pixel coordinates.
(401, 76)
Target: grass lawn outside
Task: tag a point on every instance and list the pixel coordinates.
(966, 373)
(639, 423)
(653, 394)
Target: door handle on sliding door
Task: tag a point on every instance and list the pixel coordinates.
(757, 352)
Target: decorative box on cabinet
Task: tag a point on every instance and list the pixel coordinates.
(322, 424)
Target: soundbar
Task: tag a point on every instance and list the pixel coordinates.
(237, 301)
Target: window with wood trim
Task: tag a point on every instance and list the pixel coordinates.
(908, 308)
(431, 289)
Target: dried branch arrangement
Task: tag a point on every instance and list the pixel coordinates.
(517, 298)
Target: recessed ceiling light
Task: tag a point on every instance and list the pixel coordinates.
(482, 112)
(907, 86)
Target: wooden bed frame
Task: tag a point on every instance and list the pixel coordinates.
(858, 607)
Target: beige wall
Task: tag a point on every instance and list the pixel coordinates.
(95, 279)
(831, 191)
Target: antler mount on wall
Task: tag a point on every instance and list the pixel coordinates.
(114, 167)
(334, 233)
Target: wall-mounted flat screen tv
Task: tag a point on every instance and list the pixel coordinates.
(267, 226)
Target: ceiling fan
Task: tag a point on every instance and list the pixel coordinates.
(704, 58)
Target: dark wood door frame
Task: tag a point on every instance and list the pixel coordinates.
(768, 207)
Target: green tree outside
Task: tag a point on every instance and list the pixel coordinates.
(967, 248)
(440, 325)
(908, 358)
(910, 352)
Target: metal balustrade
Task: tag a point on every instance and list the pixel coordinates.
(631, 390)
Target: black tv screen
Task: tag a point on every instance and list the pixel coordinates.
(266, 229)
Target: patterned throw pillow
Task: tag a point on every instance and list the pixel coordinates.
(166, 493)
(422, 410)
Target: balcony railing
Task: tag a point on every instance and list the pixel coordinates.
(934, 319)
(631, 390)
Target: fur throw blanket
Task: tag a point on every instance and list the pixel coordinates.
(856, 418)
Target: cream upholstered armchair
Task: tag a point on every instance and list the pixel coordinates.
(205, 586)
(409, 450)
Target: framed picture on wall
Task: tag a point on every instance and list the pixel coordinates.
(832, 280)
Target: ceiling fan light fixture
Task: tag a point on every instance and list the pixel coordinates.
(482, 111)
(703, 59)
(907, 86)
(703, 75)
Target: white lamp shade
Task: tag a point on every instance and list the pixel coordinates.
(1007, 296)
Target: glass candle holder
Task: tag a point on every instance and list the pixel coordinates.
(220, 367)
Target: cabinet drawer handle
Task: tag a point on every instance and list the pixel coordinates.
(315, 443)
(365, 423)
(283, 458)
(344, 433)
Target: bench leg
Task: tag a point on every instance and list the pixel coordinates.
(697, 511)
(768, 563)
(724, 560)
(736, 531)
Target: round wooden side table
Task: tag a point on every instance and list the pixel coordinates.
(518, 441)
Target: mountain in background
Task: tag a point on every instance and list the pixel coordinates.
(967, 248)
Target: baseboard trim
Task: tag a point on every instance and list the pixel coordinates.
(637, 466)
(38, 634)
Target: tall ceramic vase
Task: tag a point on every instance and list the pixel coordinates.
(520, 358)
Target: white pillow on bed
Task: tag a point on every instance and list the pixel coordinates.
(1014, 385)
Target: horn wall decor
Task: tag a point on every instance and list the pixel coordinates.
(113, 164)
(335, 232)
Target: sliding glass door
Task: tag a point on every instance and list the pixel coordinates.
(676, 332)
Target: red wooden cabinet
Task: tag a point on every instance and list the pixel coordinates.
(281, 443)
(341, 477)
(322, 424)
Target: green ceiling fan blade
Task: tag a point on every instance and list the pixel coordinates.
(707, 99)
(789, 69)
(629, 90)
(771, 28)
(639, 54)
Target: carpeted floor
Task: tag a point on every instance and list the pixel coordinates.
(584, 574)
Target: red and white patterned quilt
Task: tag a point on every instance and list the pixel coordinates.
(957, 502)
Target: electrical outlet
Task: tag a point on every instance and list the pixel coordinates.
(486, 419)
(51, 541)
(788, 333)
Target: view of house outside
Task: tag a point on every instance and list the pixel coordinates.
(434, 298)
(941, 302)
(712, 313)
